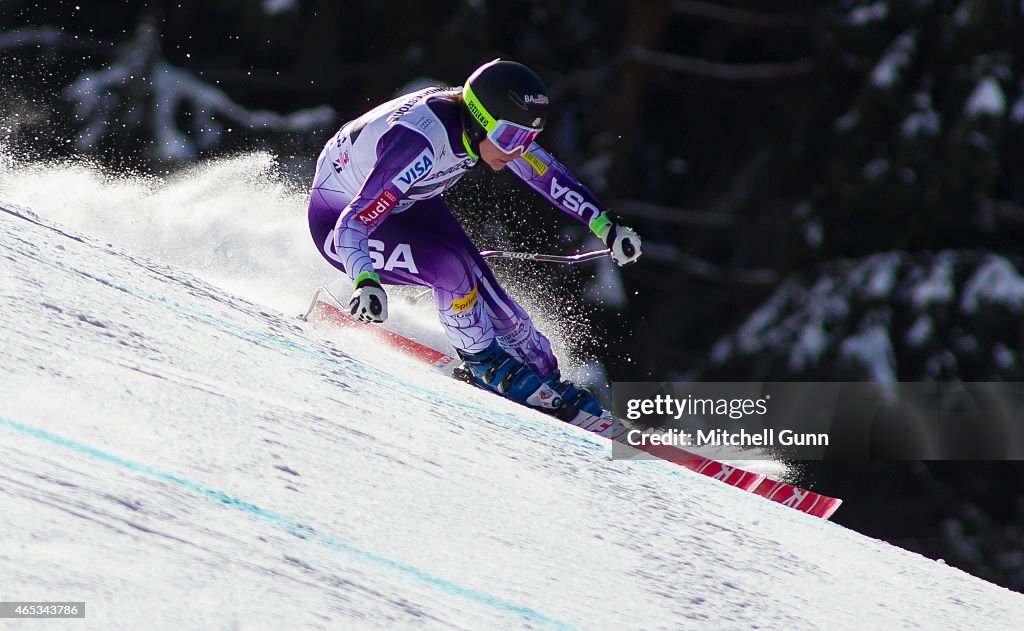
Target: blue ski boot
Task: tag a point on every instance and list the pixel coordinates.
(575, 400)
(495, 370)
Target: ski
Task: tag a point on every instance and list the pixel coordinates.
(325, 308)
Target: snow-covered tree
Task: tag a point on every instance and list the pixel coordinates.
(184, 115)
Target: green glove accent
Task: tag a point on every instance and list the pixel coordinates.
(367, 276)
(600, 226)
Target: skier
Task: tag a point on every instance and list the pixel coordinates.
(375, 213)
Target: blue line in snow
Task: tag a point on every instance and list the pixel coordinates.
(291, 526)
(285, 523)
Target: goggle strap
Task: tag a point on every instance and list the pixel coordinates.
(468, 146)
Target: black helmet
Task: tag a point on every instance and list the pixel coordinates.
(503, 90)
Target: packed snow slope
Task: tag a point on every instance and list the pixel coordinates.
(179, 456)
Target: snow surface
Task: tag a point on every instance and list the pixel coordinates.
(181, 453)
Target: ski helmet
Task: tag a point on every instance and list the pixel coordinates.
(502, 91)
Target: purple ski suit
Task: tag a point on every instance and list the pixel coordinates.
(375, 207)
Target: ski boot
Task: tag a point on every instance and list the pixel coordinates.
(495, 370)
(576, 401)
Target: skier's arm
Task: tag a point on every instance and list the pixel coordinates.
(399, 151)
(555, 183)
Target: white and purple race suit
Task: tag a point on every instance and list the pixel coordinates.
(375, 207)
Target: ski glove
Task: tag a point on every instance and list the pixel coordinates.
(369, 303)
(624, 244)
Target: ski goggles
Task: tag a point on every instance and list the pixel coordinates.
(509, 137)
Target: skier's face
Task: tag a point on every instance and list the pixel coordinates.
(494, 157)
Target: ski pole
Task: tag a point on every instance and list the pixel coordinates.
(530, 256)
(546, 258)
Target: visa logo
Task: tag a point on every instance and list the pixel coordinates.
(417, 169)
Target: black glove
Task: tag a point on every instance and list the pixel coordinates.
(369, 303)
